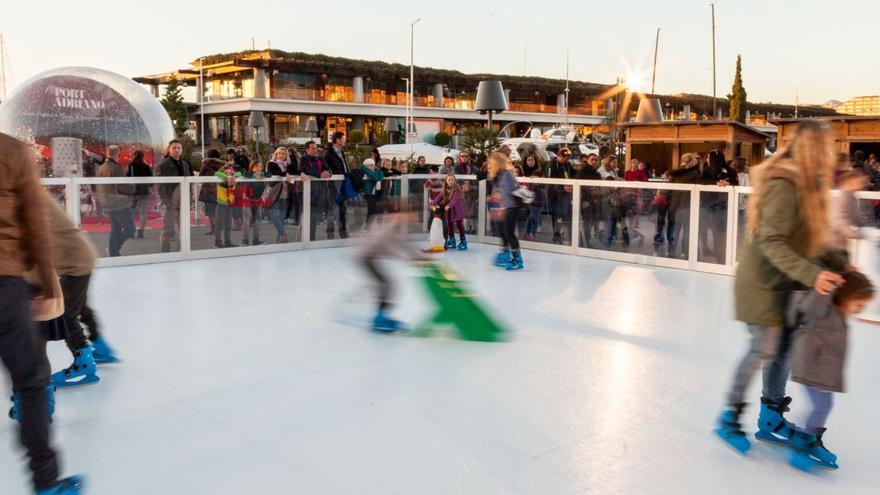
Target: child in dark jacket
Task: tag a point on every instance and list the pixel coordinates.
(818, 358)
(450, 201)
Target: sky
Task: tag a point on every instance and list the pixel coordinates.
(809, 50)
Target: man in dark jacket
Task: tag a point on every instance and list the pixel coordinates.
(116, 201)
(323, 194)
(172, 166)
(334, 157)
(25, 245)
(558, 196)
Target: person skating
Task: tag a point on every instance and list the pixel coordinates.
(24, 245)
(787, 223)
(818, 360)
(387, 241)
(500, 171)
(74, 259)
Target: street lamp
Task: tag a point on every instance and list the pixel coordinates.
(490, 98)
(410, 122)
(257, 121)
(312, 127)
(202, 104)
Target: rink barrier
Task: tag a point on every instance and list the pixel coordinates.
(189, 195)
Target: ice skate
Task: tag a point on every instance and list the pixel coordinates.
(730, 430)
(462, 245)
(502, 258)
(81, 372)
(15, 410)
(382, 323)
(515, 263)
(810, 452)
(102, 352)
(68, 486)
(772, 426)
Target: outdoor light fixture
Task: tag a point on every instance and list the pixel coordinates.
(257, 121)
(490, 98)
(391, 125)
(311, 125)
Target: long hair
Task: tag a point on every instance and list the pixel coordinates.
(609, 163)
(447, 190)
(807, 161)
(496, 163)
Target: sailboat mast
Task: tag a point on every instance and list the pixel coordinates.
(656, 49)
(566, 87)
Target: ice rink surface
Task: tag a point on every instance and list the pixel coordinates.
(249, 375)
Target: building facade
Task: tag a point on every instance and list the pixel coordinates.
(290, 89)
(860, 106)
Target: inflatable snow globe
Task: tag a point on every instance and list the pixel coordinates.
(72, 114)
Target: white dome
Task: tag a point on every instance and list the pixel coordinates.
(99, 107)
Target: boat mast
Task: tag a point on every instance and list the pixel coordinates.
(565, 117)
(656, 49)
(714, 102)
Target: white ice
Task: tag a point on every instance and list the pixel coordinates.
(249, 375)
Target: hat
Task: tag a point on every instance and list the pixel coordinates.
(369, 162)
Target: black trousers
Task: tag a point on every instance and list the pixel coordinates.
(372, 206)
(76, 305)
(508, 233)
(383, 284)
(24, 356)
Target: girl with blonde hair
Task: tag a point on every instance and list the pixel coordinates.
(787, 222)
(500, 172)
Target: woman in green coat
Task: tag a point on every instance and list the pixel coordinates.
(787, 225)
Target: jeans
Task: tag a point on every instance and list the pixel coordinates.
(508, 233)
(141, 204)
(534, 220)
(277, 214)
(121, 229)
(823, 401)
(249, 225)
(170, 225)
(24, 356)
(223, 225)
(76, 291)
(769, 347)
(211, 213)
(372, 206)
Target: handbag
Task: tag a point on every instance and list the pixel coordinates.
(271, 194)
(346, 190)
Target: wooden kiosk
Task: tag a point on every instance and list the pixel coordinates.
(663, 143)
(850, 133)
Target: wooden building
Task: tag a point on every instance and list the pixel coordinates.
(850, 133)
(663, 143)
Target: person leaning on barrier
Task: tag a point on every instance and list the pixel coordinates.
(172, 166)
(117, 202)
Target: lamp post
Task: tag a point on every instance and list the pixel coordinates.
(490, 98)
(410, 121)
(202, 104)
(257, 121)
(391, 127)
(312, 127)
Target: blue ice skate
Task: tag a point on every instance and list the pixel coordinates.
(730, 430)
(502, 258)
(810, 452)
(81, 372)
(68, 486)
(450, 243)
(462, 245)
(102, 352)
(515, 263)
(772, 426)
(15, 410)
(382, 323)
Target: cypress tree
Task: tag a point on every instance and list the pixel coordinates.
(738, 96)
